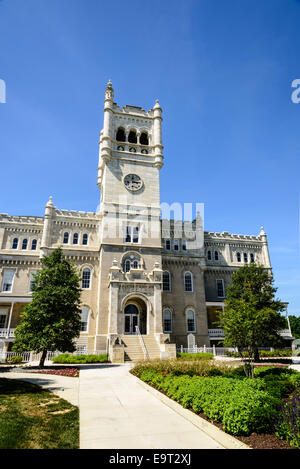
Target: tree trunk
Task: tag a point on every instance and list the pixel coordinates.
(256, 355)
(43, 358)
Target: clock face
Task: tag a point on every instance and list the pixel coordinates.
(133, 182)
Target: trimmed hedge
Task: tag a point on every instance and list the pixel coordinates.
(68, 358)
(195, 356)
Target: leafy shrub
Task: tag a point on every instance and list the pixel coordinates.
(241, 405)
(263, 353)
(287, 424)
(195, 356)
(68, 358)
(182, 367)
(15, 359)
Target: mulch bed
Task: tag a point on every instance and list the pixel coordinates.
(256, 440)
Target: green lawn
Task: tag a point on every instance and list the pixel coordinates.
(32, 418)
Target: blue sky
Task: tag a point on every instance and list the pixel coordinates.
(222, 72)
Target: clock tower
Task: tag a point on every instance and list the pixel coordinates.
(130, 280)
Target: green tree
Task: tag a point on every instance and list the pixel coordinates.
(295, 326)
(251, 317)
(51, 321)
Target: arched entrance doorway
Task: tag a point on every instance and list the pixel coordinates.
(135, 314)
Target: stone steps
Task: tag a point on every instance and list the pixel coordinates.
(134, 351)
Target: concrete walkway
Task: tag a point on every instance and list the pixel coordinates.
(117, 412)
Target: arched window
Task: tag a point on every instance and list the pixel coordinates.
(135, 264)
(84, 318)
(86, 278)
(15, 243)
(121, 137)
(75, 238)
(188, 282)
(252, 259)
(127, 265)
(166, 281)
(144, 138)
(209, 255)
(24, 243)
(167, 320)
(245, 257)
(238, 256)
(132, 138)
(190, 321)
(34, 244)
(66, 238)
(216, 256)
(85, 238)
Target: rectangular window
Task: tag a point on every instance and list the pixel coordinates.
(220, 288)
(131, 234)
(3, 320)
(184, 245)
(168, 244)
(191, 326)
(31, 281)
(176, 245)
(84, 319)
(8, 278)
(167, 314)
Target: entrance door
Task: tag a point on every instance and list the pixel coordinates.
(131, 319)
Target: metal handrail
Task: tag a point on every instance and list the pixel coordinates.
(146, 354)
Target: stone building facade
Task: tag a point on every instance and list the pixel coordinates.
(145, 284)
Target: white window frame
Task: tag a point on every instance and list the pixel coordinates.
(223, 288)
(63, 240)
(36, 244)
(75, 234)
(31, 273)
(85, 322)
(12, 282)
(171, 321)
(192, 282)
(90, 278)
(87, 239)
(26, 244)
(187, 322)
(12, 243)
(4, 312)
(129, 231)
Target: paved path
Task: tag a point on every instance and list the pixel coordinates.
(117, 412)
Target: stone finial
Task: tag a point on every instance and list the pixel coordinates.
(49, 203)
(109, 92)
(262, 231)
